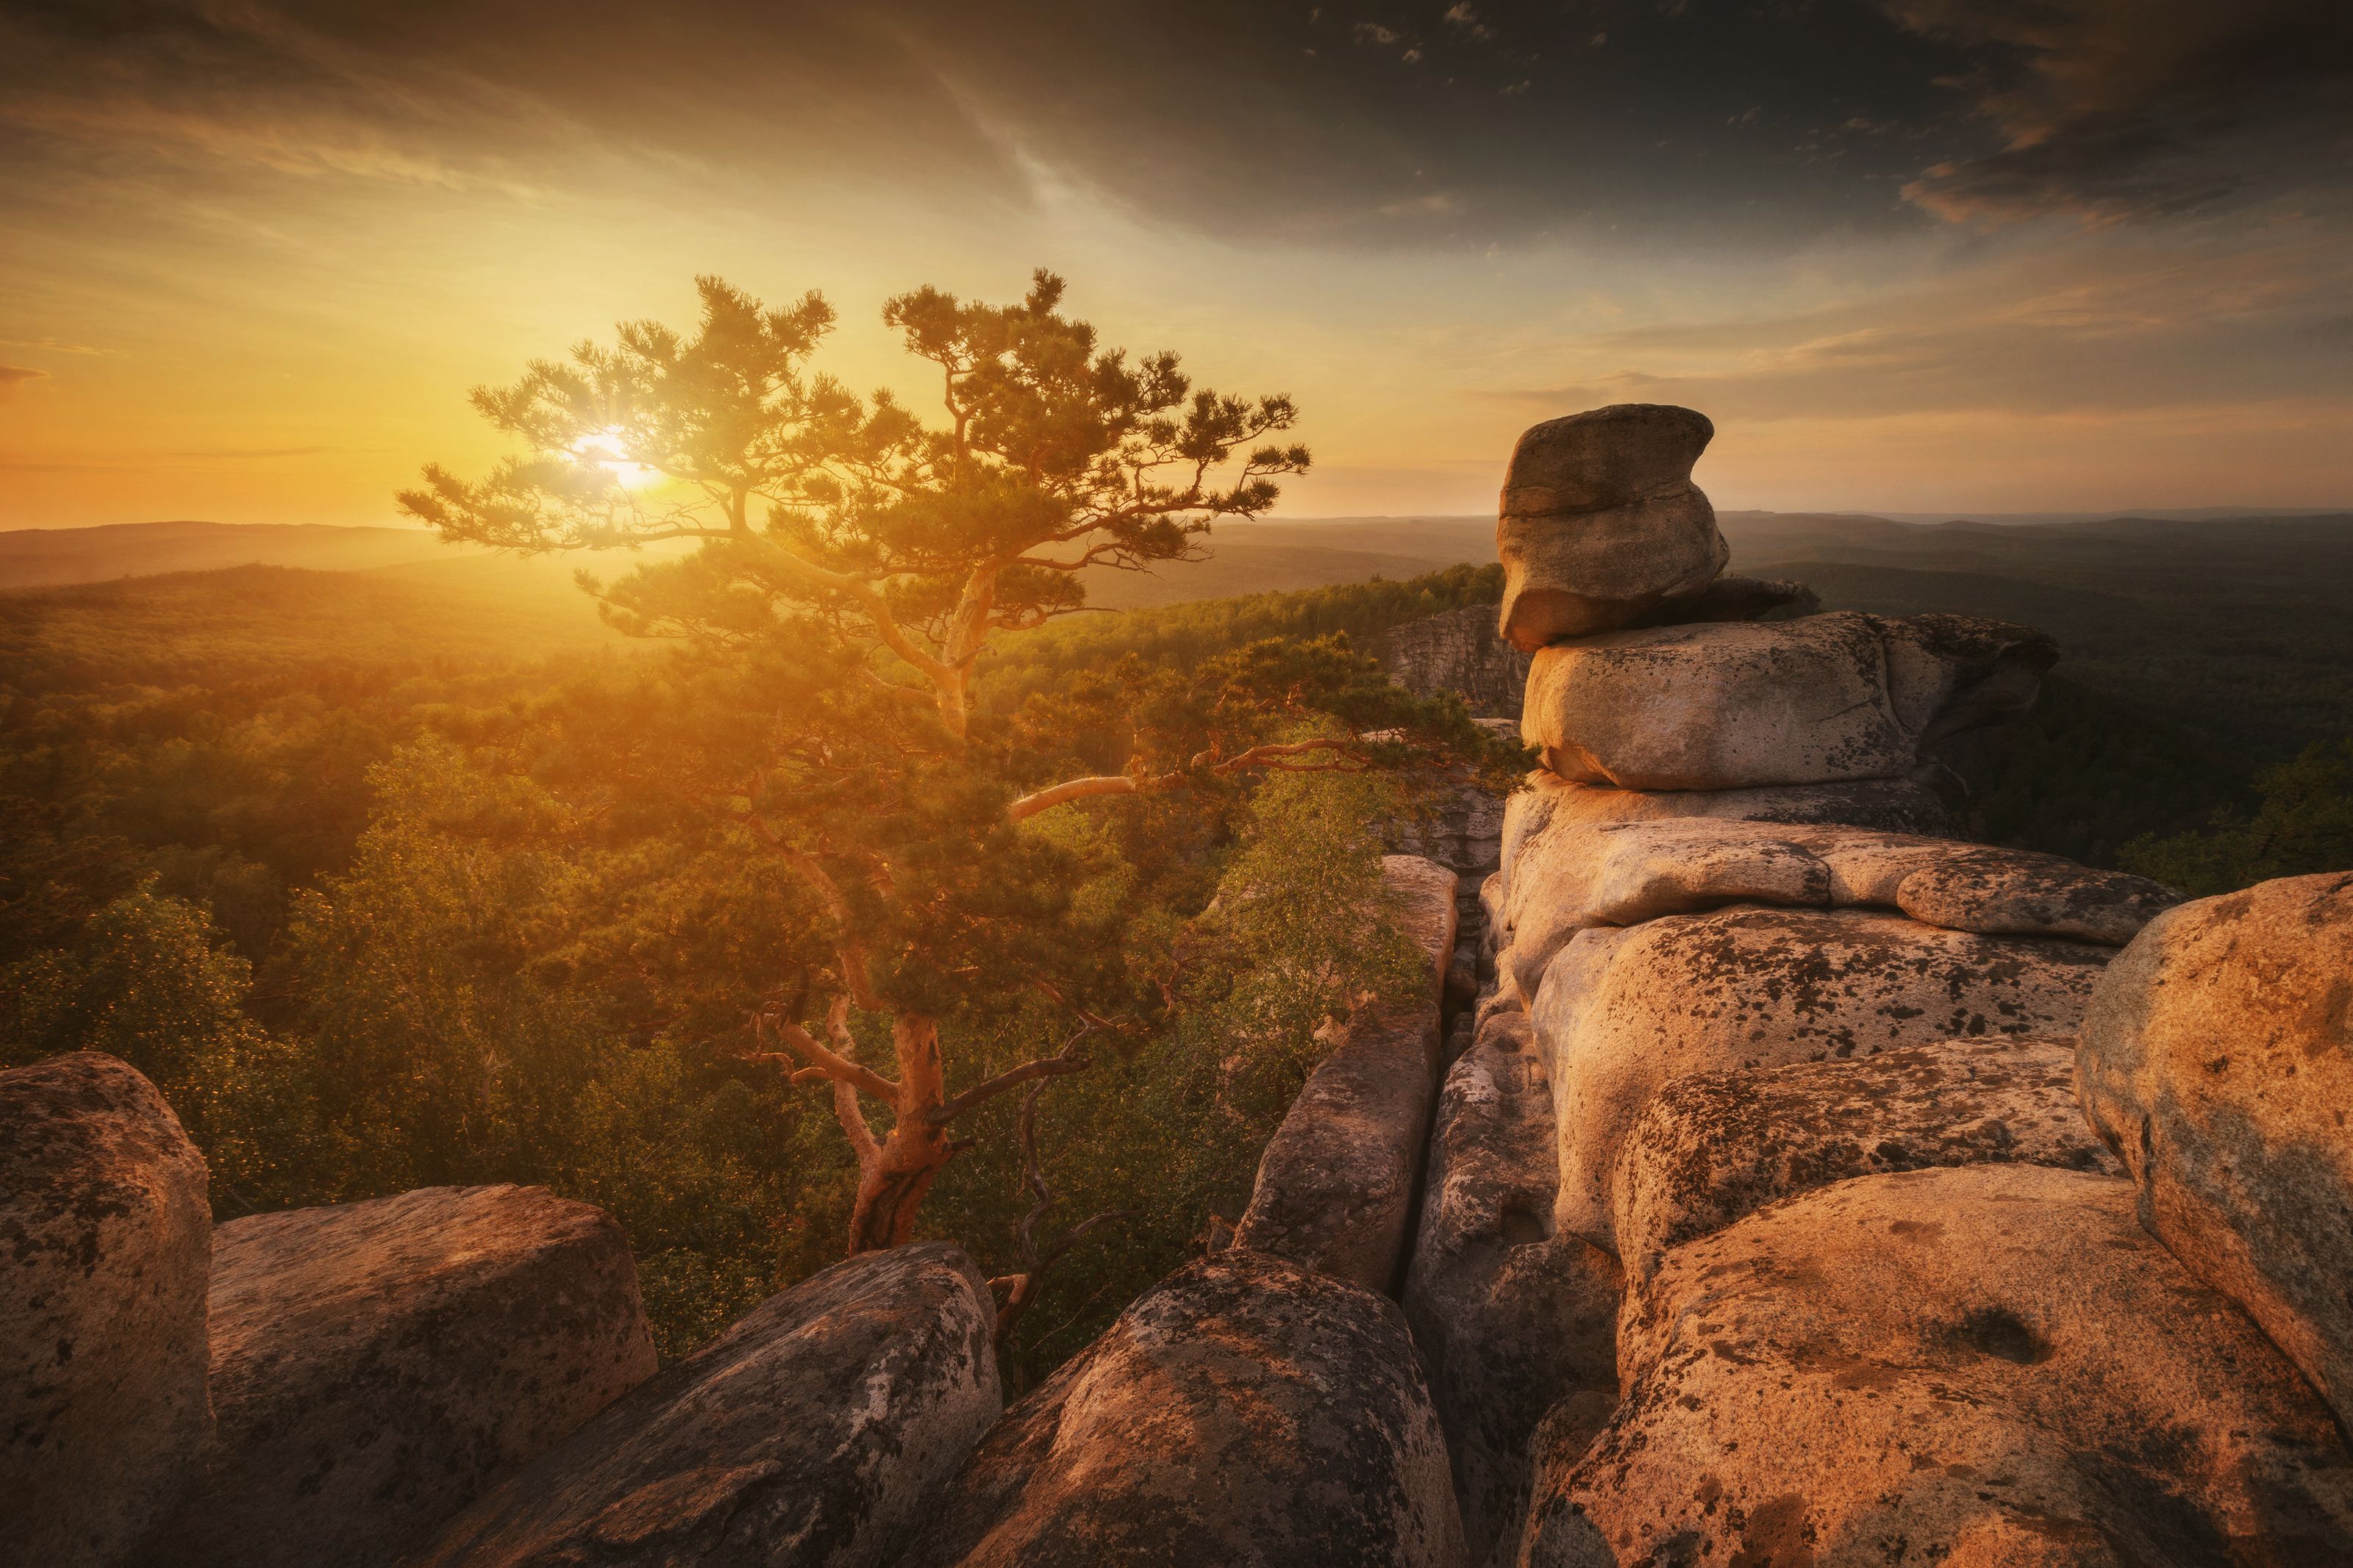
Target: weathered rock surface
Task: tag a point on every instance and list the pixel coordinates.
(1511, 1319)
(1599, 521)
(105, 1237)
(1734, 599)
(376, 1365)
(1715, 1147)
(2216, 1058)
(1245, 1411)
(1624, 1012)
(1990, 1365)
(1459, 651)
(1335, 1184)
(817, 1431)
(1822, 699)
(1573, 877)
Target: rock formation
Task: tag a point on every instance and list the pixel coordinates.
(104, 1243)
(817, 1431)
(376, 1365)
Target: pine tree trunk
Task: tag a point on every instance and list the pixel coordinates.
(892, 1180)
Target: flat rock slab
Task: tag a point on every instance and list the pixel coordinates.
(1978, 1367)
(2217, 1059)
(1574, 877)
(105, 1240)
(1245, 1413)
(1599, 522)
(1512, 1319)
(1820, 699)
(1425, 893)
(815, 1432)
(1625, 1012)
(377, 1365)
(1715, 1147)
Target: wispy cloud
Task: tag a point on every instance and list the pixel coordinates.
(13, 376)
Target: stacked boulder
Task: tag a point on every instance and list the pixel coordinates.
(1769, 1169)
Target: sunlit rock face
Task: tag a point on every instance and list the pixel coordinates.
(1715, 1147)
(2217, 1059)
(1245, 1410)
(376, 1365)
(105, 1238)
(1625, 1011)
(1976, 1367)
(817, 1431)
(1599, 522)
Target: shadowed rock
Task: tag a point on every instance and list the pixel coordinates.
(816, 1432)
(1459, 651)
(1980, 1367)
(2216, 1058)
(1733, 599)
(1599, 521)
(104, 1242)
(1625, 1012)
(376, 1365)
(1513, 1320)
(1244, 1412)
(1826, 699)
(1714, 1147)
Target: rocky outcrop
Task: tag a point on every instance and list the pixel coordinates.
(1626, 1011)
(1579, 877)
(1733, 599)
(1459, 651)
(816, 1432)
(1514, 1321)
(1335, 1184)
(1715, 1147)
(1985, 1366)
(1599, 521)
(1244, 1412)
(2217, 1059)
(104, 1242)
(1824, 700)
(376, 1365)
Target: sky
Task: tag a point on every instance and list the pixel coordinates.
(1909, 255)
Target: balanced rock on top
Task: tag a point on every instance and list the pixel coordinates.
(1600, 523)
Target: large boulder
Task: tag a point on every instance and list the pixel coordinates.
(1512, 1320)
(1820, 700)
(1984, 1367)
(2216, 1058)
(1625, 1012)
(104, 1243)
(1244, 1412)
(1424, 892)
(377, 1365)
(1714, 1147)
(816, 1432)
(1573, 877)
(1599, 521)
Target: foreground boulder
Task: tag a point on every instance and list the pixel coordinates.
(376, 1365)
(2217, 1059)
(1978, 1368)
(1625, 1012)
(1514, 1321)
(1822, 699)
(1599, 521)
(1245, 1411)
(104, 1243)
(1715, 1147)
(815, 1432)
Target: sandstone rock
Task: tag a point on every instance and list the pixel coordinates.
(817, 1431)
(1575, 876)
(1599, 521)
(1984, 1366)
(2216, 1058)
(104, 1243)
(376, 1365)
(1512, 1319)
(1714, 1147)
(1458, 651)
(1244, 1412)
(1734, 599)
(1826, 699)
(1624, 1012)
(1425, 893)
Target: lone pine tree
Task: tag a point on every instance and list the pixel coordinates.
(854, 563)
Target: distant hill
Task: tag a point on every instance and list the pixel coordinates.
(41, 557)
